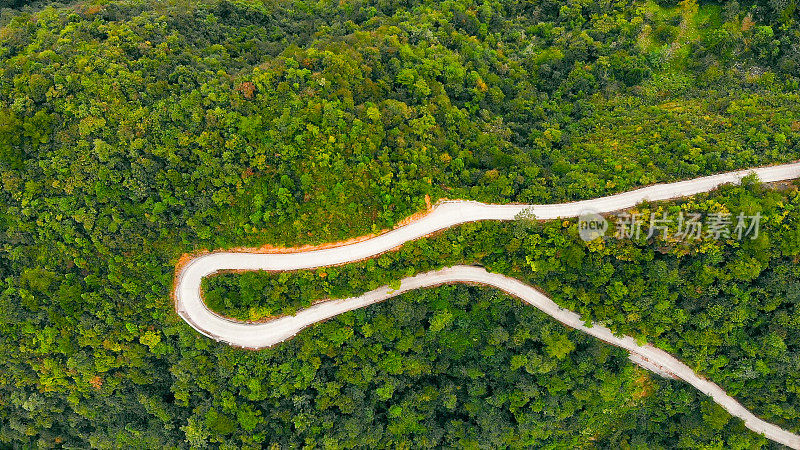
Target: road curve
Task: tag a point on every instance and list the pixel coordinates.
(189, 303)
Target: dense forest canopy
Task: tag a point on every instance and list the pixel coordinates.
(728, 307)
(134, 131)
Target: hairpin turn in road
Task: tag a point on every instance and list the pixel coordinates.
(190, 306)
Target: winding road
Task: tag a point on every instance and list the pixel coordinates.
(189, 302)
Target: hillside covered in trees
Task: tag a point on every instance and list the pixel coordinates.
(134, 131)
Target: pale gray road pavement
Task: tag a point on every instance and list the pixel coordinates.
(190, 306)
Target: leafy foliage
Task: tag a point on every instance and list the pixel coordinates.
(132, 132)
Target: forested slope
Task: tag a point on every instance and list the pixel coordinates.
(729, 307)
(132, 132)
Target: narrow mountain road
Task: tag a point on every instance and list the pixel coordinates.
(189, 303)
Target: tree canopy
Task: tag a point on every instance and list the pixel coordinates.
(135, 131)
